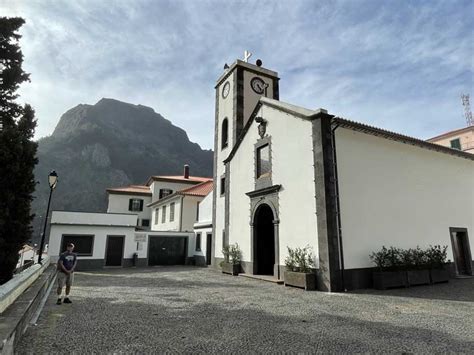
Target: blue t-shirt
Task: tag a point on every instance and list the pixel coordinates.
(68, 260)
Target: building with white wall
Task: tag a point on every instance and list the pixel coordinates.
(100, 239)
(122, 236)
(287, 176)
(180, 210)
(132, 199)
(203, 232)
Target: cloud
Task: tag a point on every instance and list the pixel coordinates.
(398, 65)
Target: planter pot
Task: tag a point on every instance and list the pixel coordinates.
(418, 277)
(232, 269)
(388, 279)
(439, 275)
(300, 279)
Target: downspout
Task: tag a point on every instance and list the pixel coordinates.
(338, 204)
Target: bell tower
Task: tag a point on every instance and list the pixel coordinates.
(238, 91)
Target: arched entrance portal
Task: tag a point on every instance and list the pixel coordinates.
(264, 241)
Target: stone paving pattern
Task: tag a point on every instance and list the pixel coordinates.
(199, 310)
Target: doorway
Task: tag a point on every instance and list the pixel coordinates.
(264, 241)
(167, 250)
(114, 250)
(461, 251)
(208, 248)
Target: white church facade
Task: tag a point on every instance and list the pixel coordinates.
(286, 176)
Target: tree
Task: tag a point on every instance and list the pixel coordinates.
(17, 151)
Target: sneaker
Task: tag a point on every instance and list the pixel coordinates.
(67, 300)
(58, 301)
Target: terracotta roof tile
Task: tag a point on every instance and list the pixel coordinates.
(203, 189)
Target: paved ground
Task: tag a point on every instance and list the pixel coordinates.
(194, 310)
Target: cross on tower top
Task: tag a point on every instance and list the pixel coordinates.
(247, 55)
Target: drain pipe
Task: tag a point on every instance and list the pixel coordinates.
(338, 208)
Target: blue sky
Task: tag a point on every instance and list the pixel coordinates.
(399, 65)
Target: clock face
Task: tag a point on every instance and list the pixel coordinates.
(225, 90)
(258, 85)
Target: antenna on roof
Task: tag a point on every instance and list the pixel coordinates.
(467, 109)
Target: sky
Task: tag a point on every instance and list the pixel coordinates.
(398, 65)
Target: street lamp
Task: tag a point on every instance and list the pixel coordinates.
(53, 181)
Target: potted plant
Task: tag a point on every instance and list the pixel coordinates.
(416, 263)
(390, 271)
(232, 258)
(299, 268)
(437, 259)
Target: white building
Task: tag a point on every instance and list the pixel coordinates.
(179, 211)
(286, 176)
(132, 199)
(122, 236)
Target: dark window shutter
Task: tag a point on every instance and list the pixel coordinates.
(130, 202)
(141, 205)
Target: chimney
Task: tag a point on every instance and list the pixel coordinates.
(186, 171)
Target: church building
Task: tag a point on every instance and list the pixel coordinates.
(287, 176)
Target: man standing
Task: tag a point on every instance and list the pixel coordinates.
(66, 265)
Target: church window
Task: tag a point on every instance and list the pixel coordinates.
(225, 133)
(263, 161)
(222, 185)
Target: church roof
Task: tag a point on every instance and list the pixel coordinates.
(130, 190)
(289, 108)
(308, 114)
(200, 190)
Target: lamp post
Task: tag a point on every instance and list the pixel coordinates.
(52, 180)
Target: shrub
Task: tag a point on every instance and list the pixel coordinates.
(394, 259)
(232, 254)
(300, 259)
(419, 258)
(235, 254)
(226, 252)
(437, 256)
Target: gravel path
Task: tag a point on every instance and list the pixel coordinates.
(198, 310)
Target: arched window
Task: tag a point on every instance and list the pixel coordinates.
(225, 133)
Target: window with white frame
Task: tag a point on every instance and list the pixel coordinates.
(135, 205)
(171, 211)
(163, 214)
